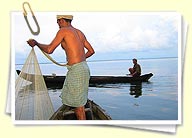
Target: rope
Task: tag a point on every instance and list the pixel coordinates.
(51, 59)
(34, 18)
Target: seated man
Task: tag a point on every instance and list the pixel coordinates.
(136, 70)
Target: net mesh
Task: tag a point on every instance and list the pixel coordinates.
(32, 101)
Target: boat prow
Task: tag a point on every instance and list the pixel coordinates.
(92, 110)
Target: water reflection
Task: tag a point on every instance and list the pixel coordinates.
(136, 89)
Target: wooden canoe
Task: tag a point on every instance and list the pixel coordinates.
(54, 81)
(92, 110)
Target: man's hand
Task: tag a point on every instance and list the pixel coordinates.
(32, 42)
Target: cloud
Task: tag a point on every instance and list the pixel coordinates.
(153, 32)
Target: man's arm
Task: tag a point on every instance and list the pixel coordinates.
(87, 45)
(50, 47)
(90, 50)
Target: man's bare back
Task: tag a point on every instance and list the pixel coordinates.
(73, 45)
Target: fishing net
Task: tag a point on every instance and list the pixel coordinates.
(32, 101)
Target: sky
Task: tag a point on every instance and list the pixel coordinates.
(113, 35)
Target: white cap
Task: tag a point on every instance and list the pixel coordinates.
(69, 17)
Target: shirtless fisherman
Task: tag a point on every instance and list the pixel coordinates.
(73, 41)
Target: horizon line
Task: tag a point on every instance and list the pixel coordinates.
(106, 60)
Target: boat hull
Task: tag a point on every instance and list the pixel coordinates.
(53, 81)
(57, 81)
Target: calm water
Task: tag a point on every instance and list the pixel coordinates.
(153, 100)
